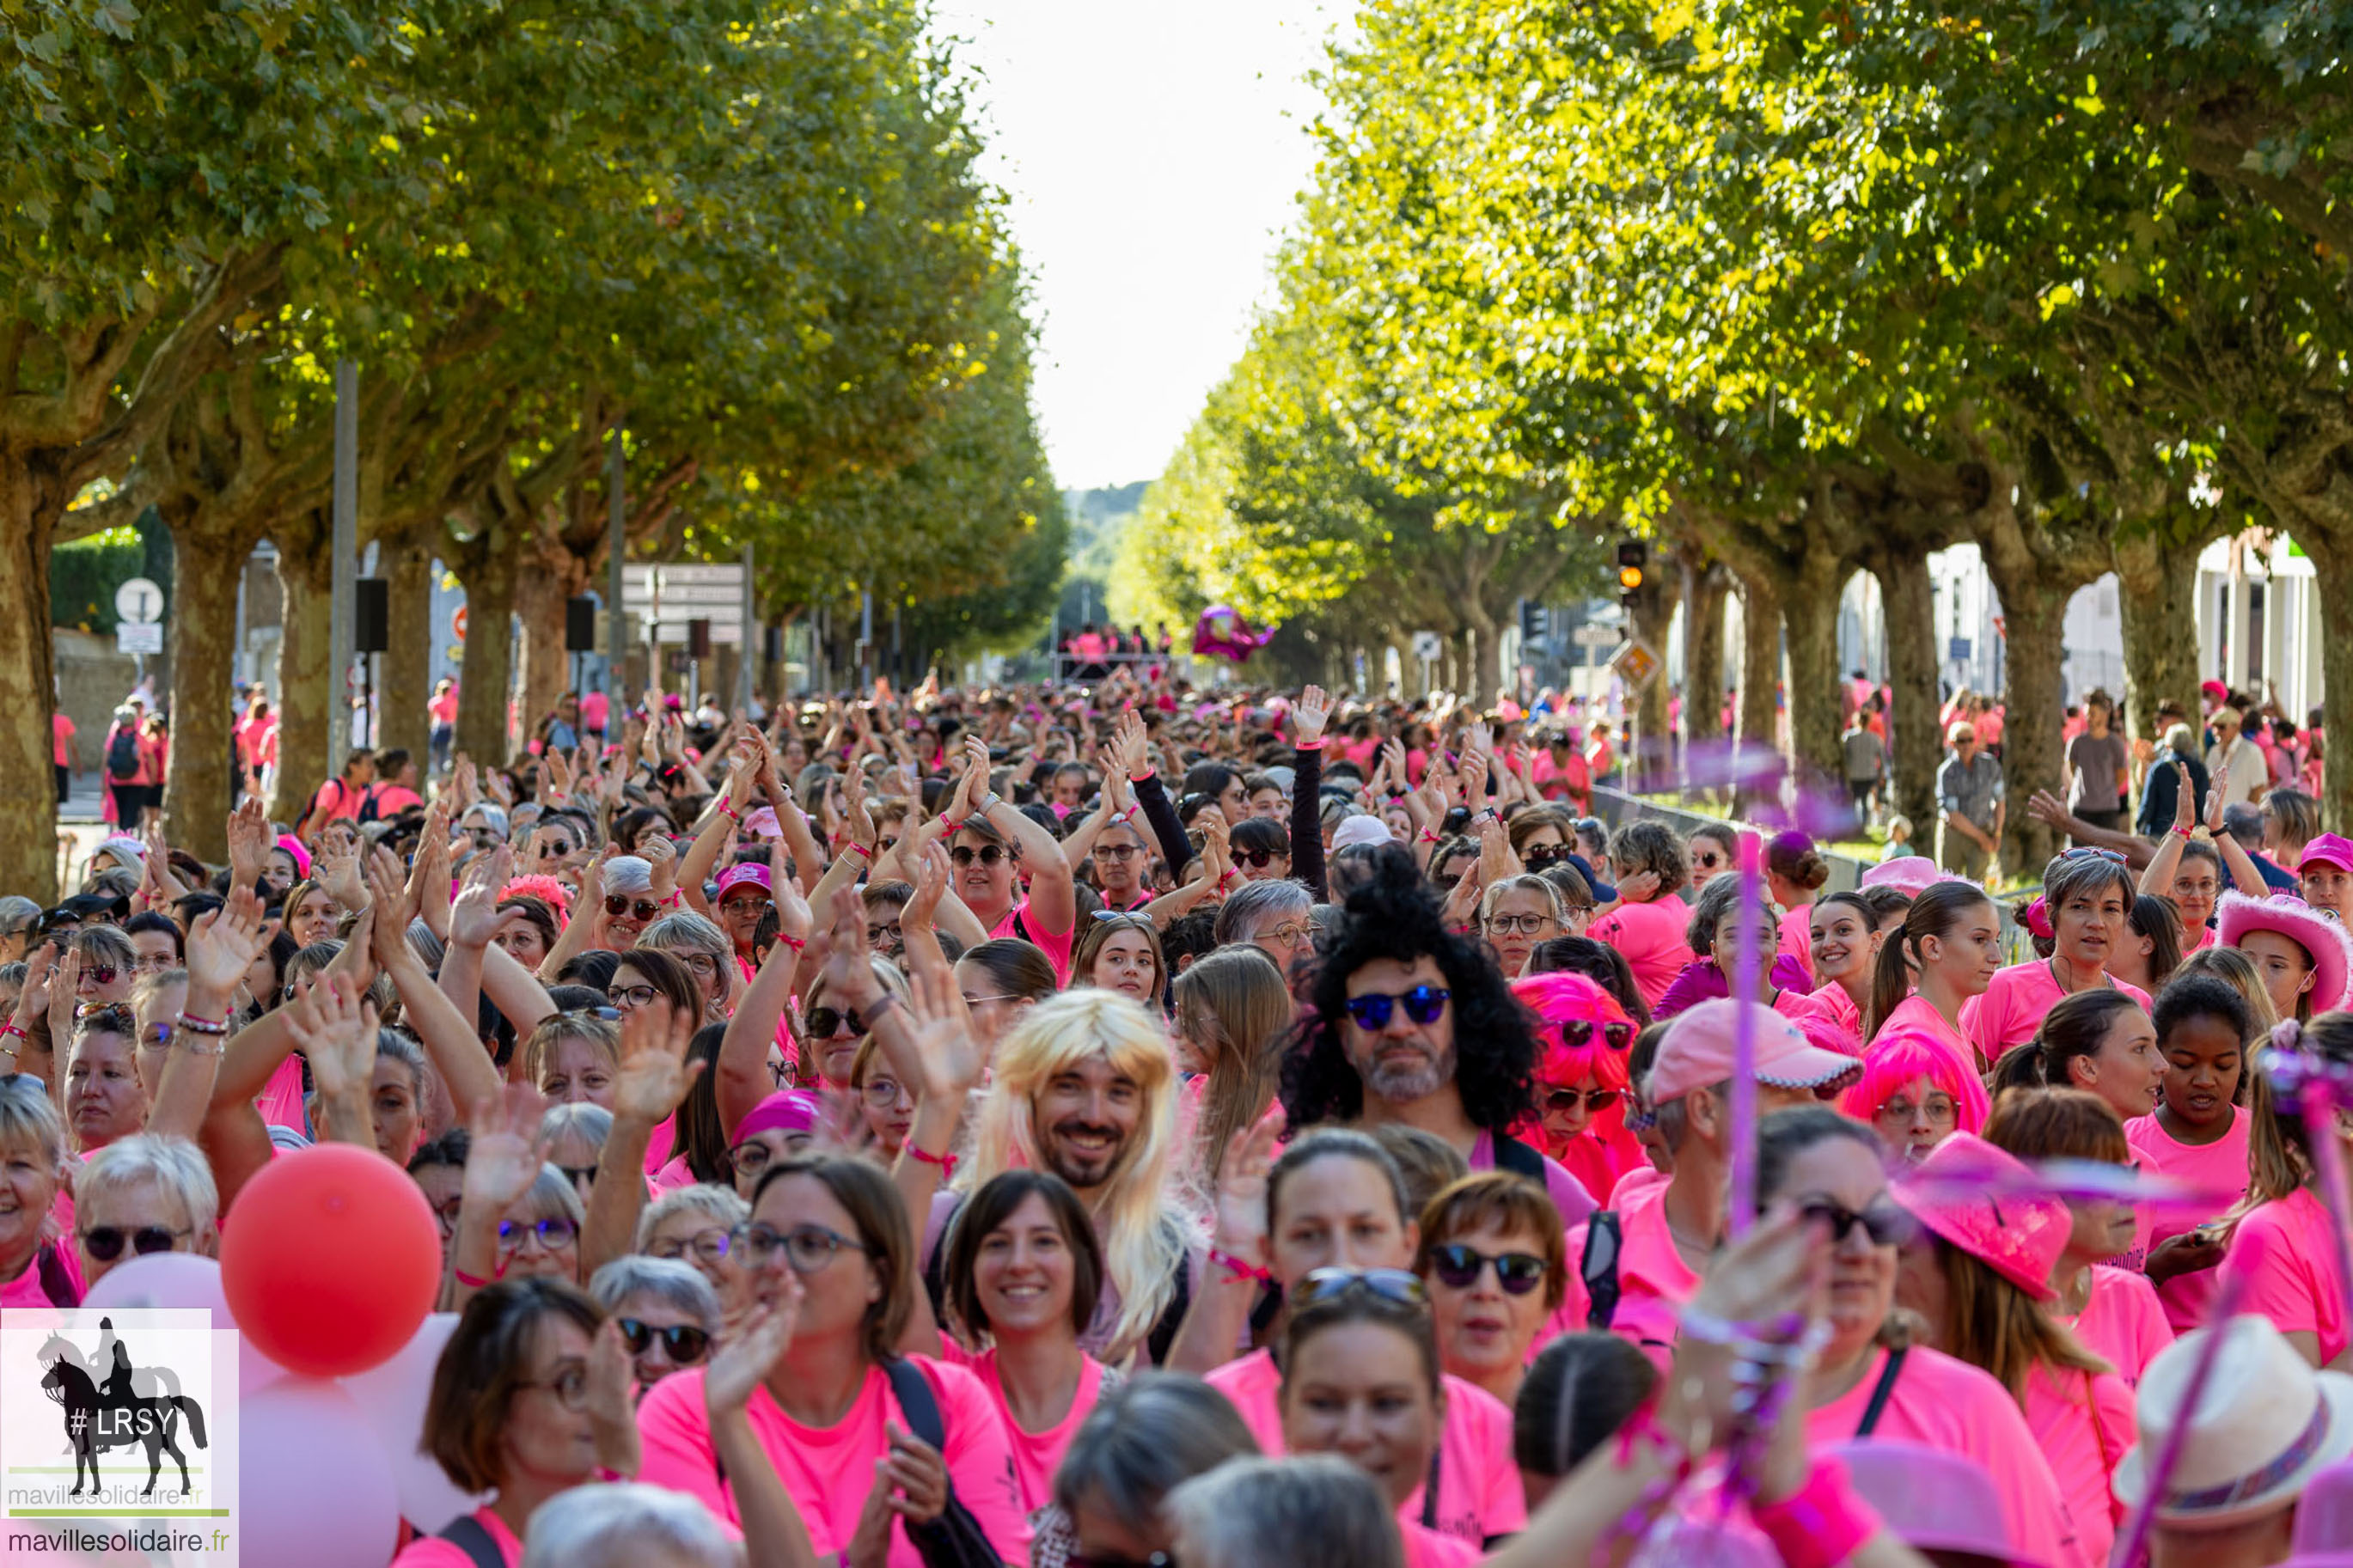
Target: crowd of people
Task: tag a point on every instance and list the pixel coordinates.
(1124, 1125)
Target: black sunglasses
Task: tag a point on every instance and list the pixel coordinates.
(1886, 1225)
(683, 1343)
(1423, 1004)
(987, 854)
(1596, 1099)
(1458, 1268)
(824, 1023)
(1576, 1032)
(618, 904)
(105, 1242)
(1256, 859)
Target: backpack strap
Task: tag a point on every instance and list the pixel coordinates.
(917, 1402)
(1516, 1157)
(468, 1534)
(1596, 1267)
(1430, 1491)
(1882, 1393)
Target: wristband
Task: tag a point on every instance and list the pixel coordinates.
(952, 826)
(946, 1163)
(1314, 746)
(1236, 1267)
(2185, 832)
(798, 943)
(470, 1282)
(1429, 838)
(13, 1030)
(196, 1025)
(855, 848)
(1139, 778)
(1824, 1523)
(728, 806)
(670, 903)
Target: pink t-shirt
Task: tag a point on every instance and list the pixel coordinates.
(1038, 1455)
(2083, 1422)
(25, 1290)
(2014, 1003)
(1478, 1490)
(1651, 937)
(1841, 1008)
(2221, 1164)
(2283, 1252)
(1793, 1004)
(1950, 1405)
(1569, 1195)
(1055, 945)
(829, 1470)
(281, 1100)
(61, 731)
(594, 708)
(1797, 937)
(1916, 1013)
(2121, 1323)
(432, 1551)
(1653, 1280)
(1427, 1548)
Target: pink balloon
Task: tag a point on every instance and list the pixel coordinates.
(184, 1279)
(392, 1396)
(314, 1485)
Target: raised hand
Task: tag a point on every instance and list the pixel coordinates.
(1309, 715)
(751, 1348)
(65, 988)
(507, 1152)
(336, 867)
(250, 842)
(334, 1027)
(2185, 799)
(475, 919)
(654, 1076)
(1217, 856)
(40, 974)
(462, 782)
(792, 917)
(931, 871)
(951, 1061)
(611, 1405)
(848, 965)
(1134, 745)
(1242, 1186)
(223, 943)
(662, 856)
(1639, 889)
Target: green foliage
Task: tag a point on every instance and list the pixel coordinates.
(84, 574)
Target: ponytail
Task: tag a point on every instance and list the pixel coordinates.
(1890, 978)
(2076, 1026)
(1934, 912)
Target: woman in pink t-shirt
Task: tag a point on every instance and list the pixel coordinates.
(1793, 872)
(1945, 952)
(34, 1271)
(1914, 1092)
(1648, 924)
(2097, 1040)
(1024, 1273)
(2282, 1249)
(2082, 919)
(1581, 1079)
(1845, 941)
(2198, 1134)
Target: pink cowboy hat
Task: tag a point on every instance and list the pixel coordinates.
(1932, 1498)
(2318, 933)
(2019, 1239)
(1910, 875)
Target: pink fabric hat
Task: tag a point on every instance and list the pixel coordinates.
(1910, 875)
(294, 850)
(1698, 1051)
(2330, 849)
(2323, 1520)
(762, 822)
(2318, 933)
(735, 876)
(786, 1111)
(1933, 1498)
(2019, 1239)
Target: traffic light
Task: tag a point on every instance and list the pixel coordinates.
(1633, 564)
(1534, 622)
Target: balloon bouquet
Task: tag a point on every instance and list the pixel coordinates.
(330, 1263)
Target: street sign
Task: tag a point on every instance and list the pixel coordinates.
(1426, 646)
(669, 598)
(457, 623)
(1637, 664)
(1595, 637)
(138, 636)
(140, 602)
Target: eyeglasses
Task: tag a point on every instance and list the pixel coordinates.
(682, 1342)
(732, 904)
(1423, 1004)
(1458, 1268)
(881, 1093)
(883, 935)
(1117, 851)
(570, 1386)
(806, 1249)
(105, 1242)
(750, 1159)
(1940, 1107)
(1595, 1099)
(1256, 859)
(987, 854)
(701, 964)
(711, 1245)
(1390, 1284)
(100, 973)
(578, 1175)
(634, 995)
(1576, 1032)
(825, 1023)
(1290, 935)
(1886, 1225)
(619, 904)
(1519, 925)
(553, 1234)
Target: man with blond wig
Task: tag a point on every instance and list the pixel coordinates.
(1085, 1086)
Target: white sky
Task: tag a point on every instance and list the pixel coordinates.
(1151, 154)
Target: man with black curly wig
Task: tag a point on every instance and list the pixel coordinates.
(1413, 1023)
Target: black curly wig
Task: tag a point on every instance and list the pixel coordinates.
(1495, 1050)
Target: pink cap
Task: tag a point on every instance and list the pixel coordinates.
(762, 822)
(2330, 849)
(735, 876)
(301, 857)
(2214, 688)
(1933, 1500)
(786, 1111)
(2018, 1237)
(1910, 875)
(1698, 1051)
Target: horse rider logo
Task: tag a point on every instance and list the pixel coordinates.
(132, 1407)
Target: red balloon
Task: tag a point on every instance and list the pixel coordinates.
(330, 1259)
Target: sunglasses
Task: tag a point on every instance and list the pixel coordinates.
(1458, 1268)
(825, 1023)
(105, 1242)
(1710, 862)
(578, 1175)
(1596, 1099)
(987, 854)
(2084, 851)
(1423, 1004)
(1117, 851)
(1390, 1284)
(618, 904)
(1256, 859)
(1886, 1225)
(1576, 1032)
(682, 1342)
(1538, 856)
(99, 974)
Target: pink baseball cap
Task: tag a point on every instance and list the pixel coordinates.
(2018, 1237)
(2330, 849)
(762, 822)
(747, 871)
(786, 1111)
(1698, 1052)
(1910, 875)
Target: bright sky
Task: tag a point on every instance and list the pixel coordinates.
(1152, 153)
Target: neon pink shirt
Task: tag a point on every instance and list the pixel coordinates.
(2014, 1003)
(1426, 1548)
(593, 710)
(1840, 1008)
(2083, 1422)
(1598, 1156)
(1478, 1490)
(1055, 945)
(281, 1100)
(829, 1470)
(61, 731)
(443, 708)
(2121, 1323)
(1794, 1004)
(1653, 1280)
(25, 1290)
(2283, 1252)
(1569, 1195)
(1798, 938)
(1950, 1405)
(432, 1551)
(1651, 937)
(1038, 1455)
(1916, 1013)
(2222, 1164)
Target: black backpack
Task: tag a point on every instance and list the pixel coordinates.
(123, 755)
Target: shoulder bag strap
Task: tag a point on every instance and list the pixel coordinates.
(1882, 1393)
(467, 1535)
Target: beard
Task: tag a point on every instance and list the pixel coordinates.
(1082, 1168)
(1402, 1074)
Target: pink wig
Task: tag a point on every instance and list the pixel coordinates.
(1898, 1061)
(1560, 998)
(546, 890)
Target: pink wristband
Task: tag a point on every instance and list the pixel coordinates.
(1314, 746)
(1236, 1266)
(1822, 1524)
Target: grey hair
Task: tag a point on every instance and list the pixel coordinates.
(427, 947)
(494, 816)
(1143, 1440)
(17, 914)
(1253, 901)
(675, 1284)
(28, 1119)
(1674, 1116)
(2244, 823)
(107, 944)
(593, 1122)
(1312, 1510)
(173, 1163)
(2177, 739)
(552, 1190)
(622, 1524)
(724, 1204)
(629, 874)
(392, 1045)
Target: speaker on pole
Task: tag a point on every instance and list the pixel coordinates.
(580, 625)
(370, 615)
(772, 642)
(698, 638)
